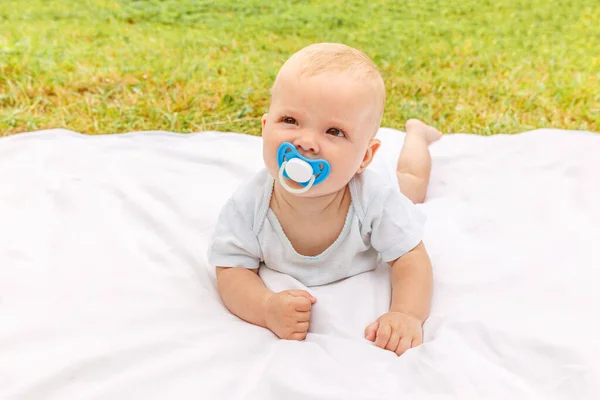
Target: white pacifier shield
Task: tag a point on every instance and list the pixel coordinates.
(298, 170)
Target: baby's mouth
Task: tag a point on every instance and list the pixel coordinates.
(299, 172)
(303, 171)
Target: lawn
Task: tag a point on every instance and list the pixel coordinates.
(476, 66)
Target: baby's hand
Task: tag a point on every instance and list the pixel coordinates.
(288, 313)
(396, 332)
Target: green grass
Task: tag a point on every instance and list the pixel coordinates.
(478, 66)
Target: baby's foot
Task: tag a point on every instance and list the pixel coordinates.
(429, 133)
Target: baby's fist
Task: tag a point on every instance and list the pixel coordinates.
(395, 331)
(288, 313)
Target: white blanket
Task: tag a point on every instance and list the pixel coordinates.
(105, 292)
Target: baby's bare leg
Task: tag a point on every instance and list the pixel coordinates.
(414, 163)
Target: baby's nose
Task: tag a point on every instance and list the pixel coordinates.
(305, 147)
(306, 143)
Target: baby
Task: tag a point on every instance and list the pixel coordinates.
(317, 213)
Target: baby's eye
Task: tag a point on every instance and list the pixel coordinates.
(288, 120)
(335, 132)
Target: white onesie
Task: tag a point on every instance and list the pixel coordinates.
(381, 225)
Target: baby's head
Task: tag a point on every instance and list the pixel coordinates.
(327, 101)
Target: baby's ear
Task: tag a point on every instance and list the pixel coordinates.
(264, 120)
(374, 145)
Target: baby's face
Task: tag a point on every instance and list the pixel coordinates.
(332, 116)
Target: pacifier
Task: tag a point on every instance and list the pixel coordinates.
(304, 171)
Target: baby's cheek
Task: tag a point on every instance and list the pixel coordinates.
(269, 156)
(272, 168)
(349, 167)
(340, 178)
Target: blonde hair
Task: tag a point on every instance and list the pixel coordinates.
(325, 57)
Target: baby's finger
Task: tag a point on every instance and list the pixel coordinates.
(302, 327)
(301, 304)
(298, 336)
(303, 293)
(383, 335)
(403, 345)
(393, 342)
(371, 331)
(417, 341)
(303, 316)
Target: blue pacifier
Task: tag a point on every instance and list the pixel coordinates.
(304, 171)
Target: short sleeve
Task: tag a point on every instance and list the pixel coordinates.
(397, 225)
(234, 244)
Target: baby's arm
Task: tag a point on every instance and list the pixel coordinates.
(412, 283)
(244, 293)
(401, 328)
(287, 313)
